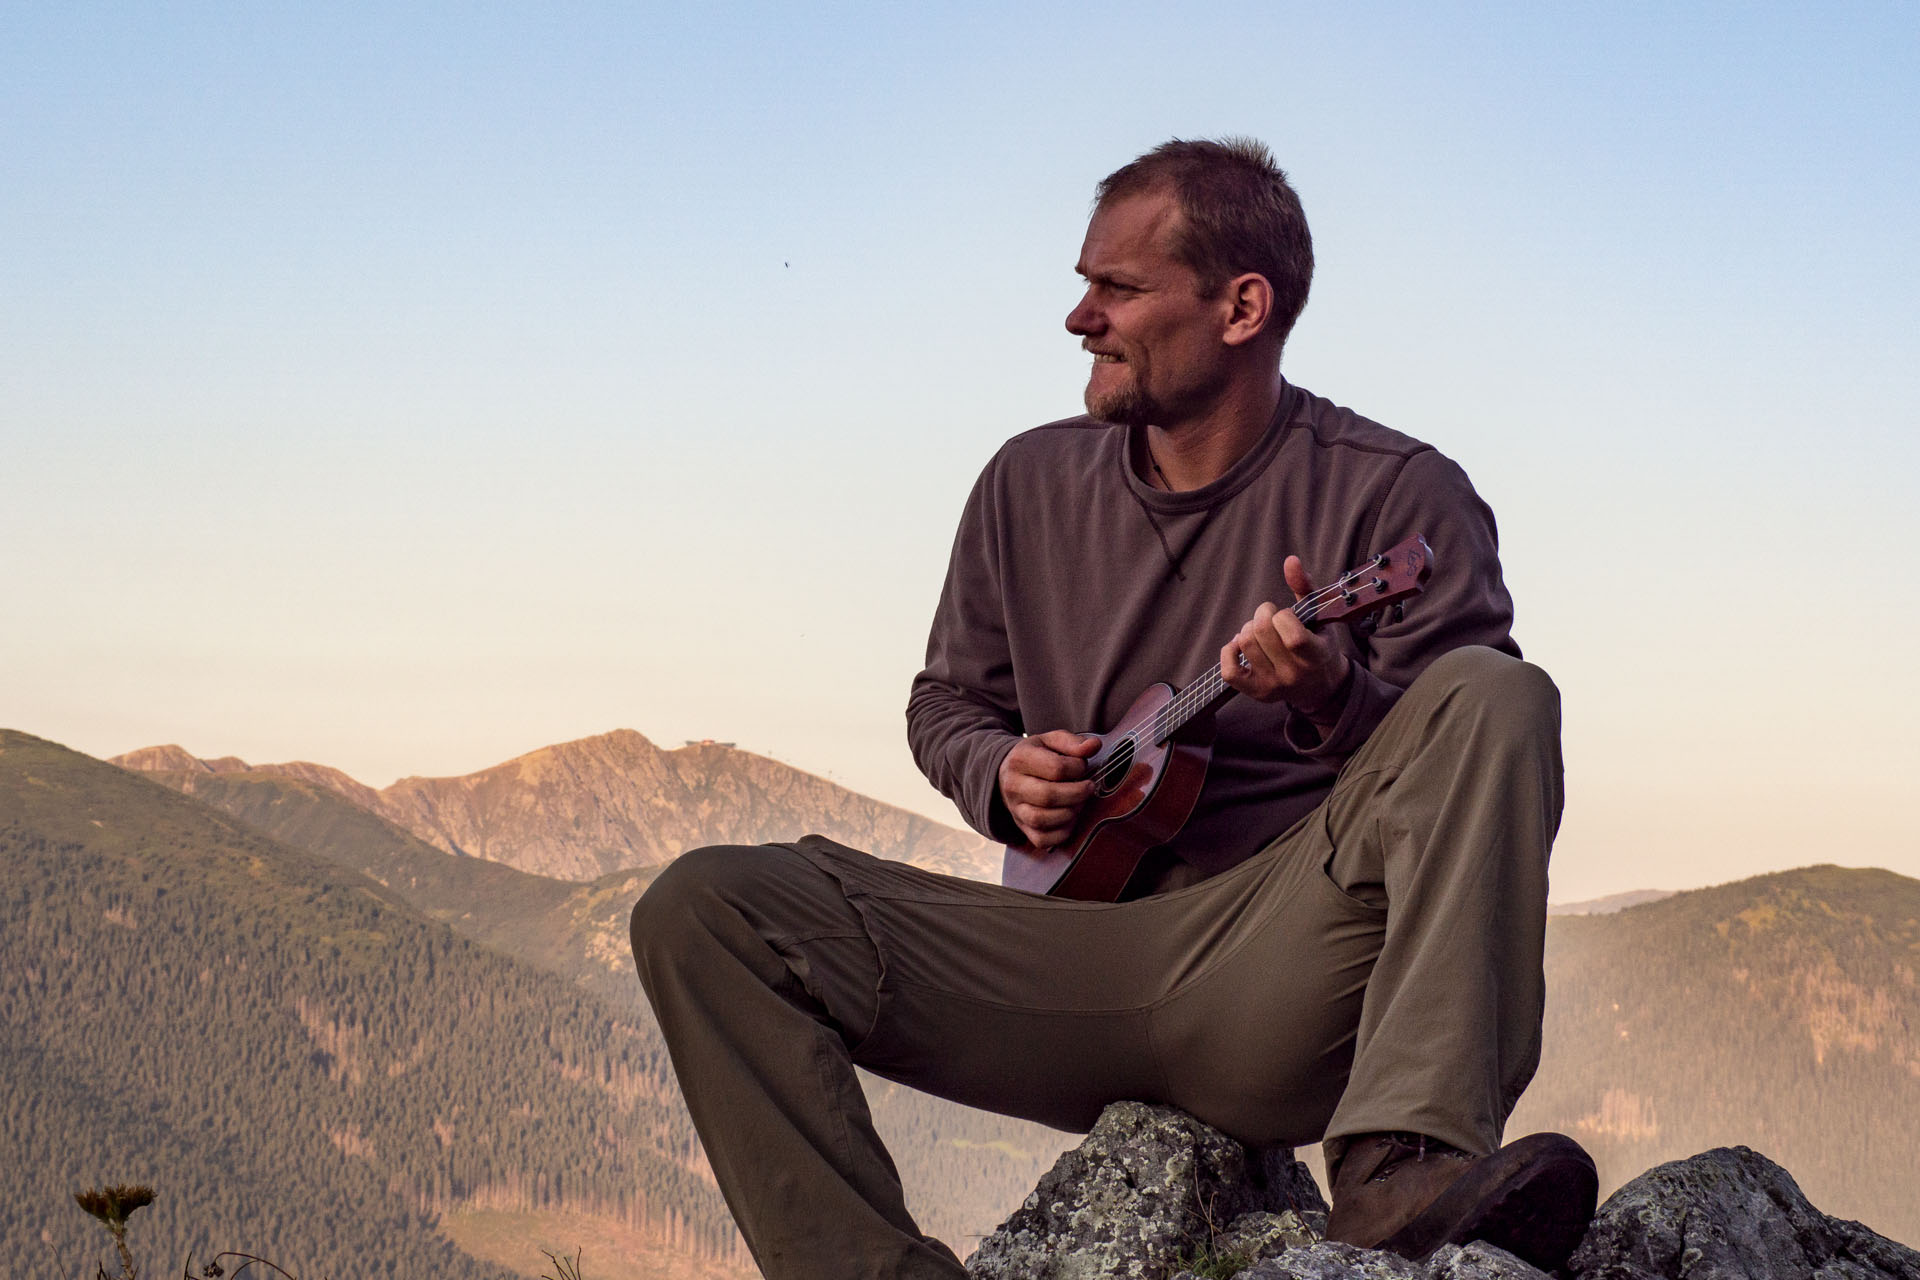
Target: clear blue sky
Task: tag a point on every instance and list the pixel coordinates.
(406, 388)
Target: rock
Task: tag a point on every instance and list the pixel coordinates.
(1479, 1261)
(1326, 1260)
(1262, 1235)
(1729, 1214)
(1250, 1238)
(1148, 1190)
(1153, 1194)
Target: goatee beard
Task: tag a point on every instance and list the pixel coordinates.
(1129, 407)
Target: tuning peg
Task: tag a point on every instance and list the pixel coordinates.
(1399, 612)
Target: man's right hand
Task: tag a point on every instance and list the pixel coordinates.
(1043, 783)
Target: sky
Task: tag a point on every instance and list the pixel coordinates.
(408, 387)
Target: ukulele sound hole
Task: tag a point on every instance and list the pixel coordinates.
(1113, 770)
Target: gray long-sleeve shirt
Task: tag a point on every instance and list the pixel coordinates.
(1073, 586)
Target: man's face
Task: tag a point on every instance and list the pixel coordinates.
(1156, 342)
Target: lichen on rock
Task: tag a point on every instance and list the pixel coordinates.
(1153, 1194)
(1149, 1188)
(1729, 1214)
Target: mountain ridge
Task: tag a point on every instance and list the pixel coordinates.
(615, 801)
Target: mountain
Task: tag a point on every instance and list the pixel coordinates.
(1608, 905)
(299, 1062)
(576, 930)
(1780, 1013)
(964, 1169)
(580, 810)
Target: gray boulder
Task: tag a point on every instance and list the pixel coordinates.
(1729, 1214)
(1153, 1194)
(1248, 1239)
(1149, 1190)
(1478, 1261)
(1325, 1260)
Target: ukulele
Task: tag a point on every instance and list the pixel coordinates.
(1149, 768)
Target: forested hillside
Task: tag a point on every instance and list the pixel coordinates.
(576, 930)
(1781, 1013)
(964, 1170)
(299, 1062)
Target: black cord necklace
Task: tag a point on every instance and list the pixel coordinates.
(1155, 464)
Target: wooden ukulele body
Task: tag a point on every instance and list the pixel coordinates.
(1149, 799)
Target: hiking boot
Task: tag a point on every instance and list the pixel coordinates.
(1410, 1195)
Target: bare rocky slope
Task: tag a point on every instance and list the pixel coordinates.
(616, 802)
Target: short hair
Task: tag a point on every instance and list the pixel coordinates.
(1239, 214)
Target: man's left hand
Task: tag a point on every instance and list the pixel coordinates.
(1282, 659)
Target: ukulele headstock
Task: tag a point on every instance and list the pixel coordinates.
(1363, 593)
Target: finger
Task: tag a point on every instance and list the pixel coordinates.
(1043, 832)
(1069, 743)
(1049, 795)
(1246, 666)
(1033, 760)
(1303, 647)
(1039, 818)
(1046, 839)
(1236, 668)
(1298, 580)
(1263, 644)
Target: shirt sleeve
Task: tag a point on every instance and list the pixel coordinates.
(963, 711)
(1465, 601)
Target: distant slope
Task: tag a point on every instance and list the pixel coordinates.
(581, 810)
(1781, 1012)
(964, 1170)
(297, 1060)
(1609, 904)
(576, 930)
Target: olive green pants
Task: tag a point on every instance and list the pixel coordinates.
(1377, 967)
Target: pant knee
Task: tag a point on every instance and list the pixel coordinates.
(684, 897)
(1498, 687)
(724, 915)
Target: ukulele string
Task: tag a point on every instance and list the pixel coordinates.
(1203, 690)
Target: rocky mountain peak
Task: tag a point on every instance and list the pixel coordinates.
(616, 802)
(171, 758)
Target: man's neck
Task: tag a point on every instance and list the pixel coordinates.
(1196, 452)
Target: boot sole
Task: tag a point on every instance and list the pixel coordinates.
(1534, 1198)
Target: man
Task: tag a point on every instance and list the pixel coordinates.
(1343, 943)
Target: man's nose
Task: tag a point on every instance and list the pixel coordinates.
(1083, 319)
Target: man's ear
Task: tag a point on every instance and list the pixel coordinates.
(1247, 301)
